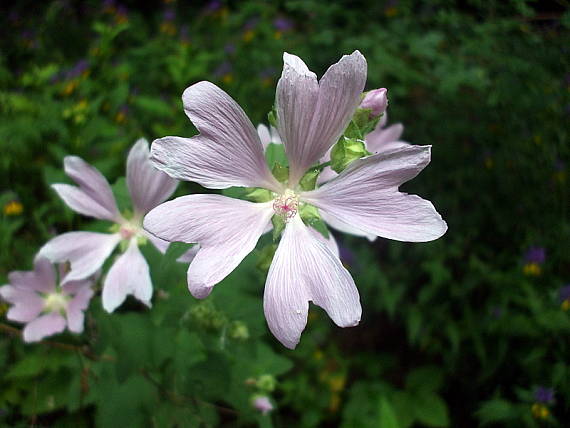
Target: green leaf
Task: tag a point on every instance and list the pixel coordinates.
(424, 379)
(387, 415)
(496, 410)
(431, 410)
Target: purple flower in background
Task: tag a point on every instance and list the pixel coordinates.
(564, 293)
(87, 251)
(262, 404)
(535, 255)
(78, 69)
(213, 6)
(282, 24)
(44, 305)
(223, 69)
(376, 100)
(169, 15)
(230, 48)
(544, 395)
(312, 115)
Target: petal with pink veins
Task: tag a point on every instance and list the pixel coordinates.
(93, 197)
(365, 196)
(226, 153)
(41, 279)
(86, 251)
(313, 115)
(147, 185)
(384, 139)
(305, 269)
(227, 230)
(129, 275)
(43, 326)
(82, 294)
(27, 304)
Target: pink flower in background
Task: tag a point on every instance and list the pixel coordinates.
(376, 100)
(44, 305)
(87, 251)
(268, 135)
(262, 404)
(312, 115)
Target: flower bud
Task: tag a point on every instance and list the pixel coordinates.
(262, 404)
(376, 101)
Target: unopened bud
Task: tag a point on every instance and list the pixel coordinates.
(376, 101)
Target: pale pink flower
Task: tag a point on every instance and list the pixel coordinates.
(43, 304)
(376, 100)
(87, 251)
(262, 404)
(312, 115)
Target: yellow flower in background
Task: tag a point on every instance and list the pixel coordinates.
(565, 305)
(532, 269)
(248, 36)
(13, 208)
(540, 411)
(228, 78)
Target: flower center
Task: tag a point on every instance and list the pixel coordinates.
(55, 302)
(286, 205)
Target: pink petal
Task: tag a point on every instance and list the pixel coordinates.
(76, 306)
(147, 185)
(326, 174)
(264, 135)
(365, 196)
(27, 305)
(312, 116)
(330, 242)
(43, 326)
(93, 197)
(305, 269)
(227, 230)
(345, 228)
(129, 275)
(160, 244)
(226, 153)
(86, 251)
(189, 255)
(42, 278)
(379, 140)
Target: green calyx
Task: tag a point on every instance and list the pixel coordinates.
(362, 123)
(257, 194)
(311, 217)
(346, 151)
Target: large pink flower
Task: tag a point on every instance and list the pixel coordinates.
(87, 251)
(45, 306)
(312, 115)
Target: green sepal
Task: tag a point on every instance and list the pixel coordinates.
(280, 172)
(124, 244)
(346, 151)
(266, 257)
(142, 240)
(272, 117)
(364, 122)
(276, 153)
(257, 194)
(309, 180)
(278, 226)
(311, 217)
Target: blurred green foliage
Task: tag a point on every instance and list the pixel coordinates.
(457, 332)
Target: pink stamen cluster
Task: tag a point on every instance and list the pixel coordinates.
(286, 206)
